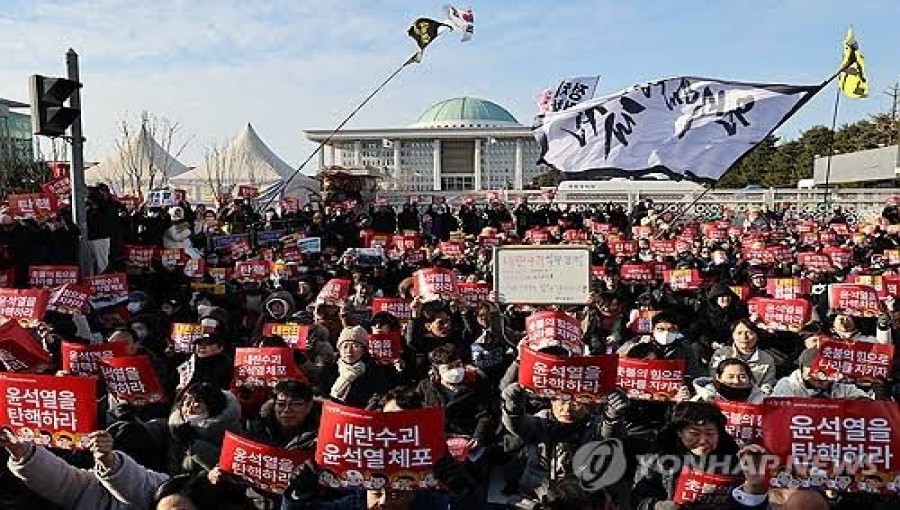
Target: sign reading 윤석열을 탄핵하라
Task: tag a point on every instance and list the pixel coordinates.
(683, 127)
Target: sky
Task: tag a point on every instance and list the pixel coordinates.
(290, 65)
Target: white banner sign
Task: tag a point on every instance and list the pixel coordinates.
(161, 198)
(542, 274)
(310, 245)
(685, 127)
(573, 91)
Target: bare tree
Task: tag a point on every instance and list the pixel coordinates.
(225, 167)
(148, 169)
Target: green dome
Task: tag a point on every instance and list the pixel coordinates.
(466, 112)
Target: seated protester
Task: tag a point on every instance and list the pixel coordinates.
(463, 392)
(801, 383)
(188, 492)
(491, 341)
(253, 396)
(713, 320)
(670, 344)
(290, 420)
(758, 283)
(844, 327)
(732, 380)
(605, 325)
(697, 434)
(432, 325)
(552, 436)
(745, 346)
(571, 493)
(319, 351)
(197, 424)
(151, 330)
(276, 307)
(209, 364)
(116, 481)
(359, 377)
(120, 410)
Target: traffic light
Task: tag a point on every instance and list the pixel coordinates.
(49, 115)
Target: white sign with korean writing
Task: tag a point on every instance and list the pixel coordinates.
(572, 91)
(542, 274)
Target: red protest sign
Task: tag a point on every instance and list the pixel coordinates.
(79, 359)
(131, 203)
(841, 360)
(368, 449)
(643, 379)
(433, 283)
(60, 187)
(252, 270)
(575, 236)
(876, 281)
(788, 288)
(195, 268)
(742, 291)
(580, 377)
(697, 487)
(23, 304)
(816, 261)
(180, 195)
(840, 257)
(782, 314)
(59, 169)
(385, 346)
(742, 420)
(841, 229)
(294, 334)
(107, 289)
(474, 293)
(247, 191)
(404, 243)
(335, 292)
(139, 257)
(452, 250)
(264, 367)
(551, 328)
(290, 205)
(638, 273)
(857, 300)
(173, 257)
(683, 279)
(183, 336)
(45, 277)
(398, 307)
(132, 379)
(32, 205)
(664, 247)
(624, 248)
(265, 467)
(837, 436)
(642, 322)
(891, 285)
(892, 257)
(56, 411)
(70, 299)
(19, 350)
(239, 248)
(537, 236)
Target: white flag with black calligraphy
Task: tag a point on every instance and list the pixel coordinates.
(573, 91)
(684, 127)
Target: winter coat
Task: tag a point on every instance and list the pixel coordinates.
(713, 323)
(264, 428)
(200, 446)
(126, 486)
(705, 391)
(375, 381)
(215, 370)
(419, 342)
(178, 235)
(762, 364)
(793, 386)
(467, 412)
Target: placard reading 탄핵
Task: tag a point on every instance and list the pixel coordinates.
(542, 274)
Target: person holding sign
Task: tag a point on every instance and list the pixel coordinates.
(290, 420)
(433, 324)
(359, 377)
(801, 383)
(745, 346)
(733, 380)
(198, 423)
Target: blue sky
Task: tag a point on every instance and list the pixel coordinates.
(286, 66)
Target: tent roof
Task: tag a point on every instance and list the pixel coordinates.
(246, 159)
(140, 153)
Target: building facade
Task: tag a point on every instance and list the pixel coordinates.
(16, 140)
(461, 144)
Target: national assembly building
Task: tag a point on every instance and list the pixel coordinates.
(462, 144)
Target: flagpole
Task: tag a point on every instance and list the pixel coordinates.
(834, 116)
(414, 58)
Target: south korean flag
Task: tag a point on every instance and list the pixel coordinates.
(462, 20)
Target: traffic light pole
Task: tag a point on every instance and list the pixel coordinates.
(79, 209)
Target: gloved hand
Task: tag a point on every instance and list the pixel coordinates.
(184, 433)
(453, 475)
(304, 483)
(617, 404)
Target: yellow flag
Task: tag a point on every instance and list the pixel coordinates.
(852, 77)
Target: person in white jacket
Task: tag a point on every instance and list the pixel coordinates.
(801, 384)
(179, 233)
(116, 482)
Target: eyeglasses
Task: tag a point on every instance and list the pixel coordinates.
(293, 404)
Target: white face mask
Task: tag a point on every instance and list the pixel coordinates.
(453, 375)
(133, 307)
(203, 309)
(666, 337)
(141, 332)
(196, 418)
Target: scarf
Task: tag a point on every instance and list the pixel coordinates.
(346, 374)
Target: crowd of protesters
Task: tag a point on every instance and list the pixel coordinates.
(461, 358)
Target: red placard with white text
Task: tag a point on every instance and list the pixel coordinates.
(550, 328)
(782, 314)
(69, 299)
(433, 283)
(838, 435)
(404, 243)
(265, 467)
(60, 188)
(19, 350)
(788, 288)
(369, 449)
(294, 334)
(195, 268)
(173, 257)
(57, 411)
(857, 300)
(876, 281)
(139, 257)
(252, 270)
(131, 203)
(664, 247)
(335, 292)
(398, 307)
(262, 367)
(80, 359)
(624, 248)
(637, 273)
(699, 488)
(742, 420)
(132, 379)
(46, 277)
(683, 279)
(645, 379)
(32, 205)
(25, 305)
(537, 236)
(386, 346)
(107, 289)
(247, 191)
(840, 257)
(581, 377)
(60, 169)
(451, 250)
(853, 361)
(817, 261)
(474, 293)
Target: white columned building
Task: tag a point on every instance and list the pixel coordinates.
(460, 144)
